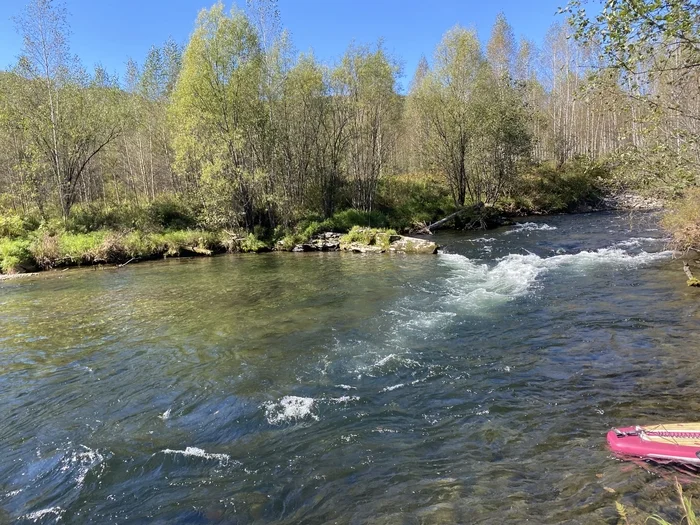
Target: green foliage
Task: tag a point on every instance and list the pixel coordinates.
(252, 244)
(215, 107)
(14, 255)
(51, 250)
(410, 200)
(164, 212)
(170, 212)
(344, 221)
(12, 226)
(368, 236)
(86, 218)
(660, 169)
(80, 248)
(472, 116)
(682, 219)
(547, 189)
(630, 33)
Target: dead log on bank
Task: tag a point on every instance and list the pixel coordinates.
(428, 229)
(692, 281)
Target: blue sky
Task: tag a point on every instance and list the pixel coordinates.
(111, 31)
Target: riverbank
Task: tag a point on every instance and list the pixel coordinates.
(43, 249)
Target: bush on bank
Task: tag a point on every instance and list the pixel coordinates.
(682, 220)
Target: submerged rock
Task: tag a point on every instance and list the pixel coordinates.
(413, 245)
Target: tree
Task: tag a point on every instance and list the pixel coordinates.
(70, 120)
(369, 80)
(216, 109)
(651, 50)
(444, 100)
(301, 112)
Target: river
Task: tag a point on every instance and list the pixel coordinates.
(475, 386)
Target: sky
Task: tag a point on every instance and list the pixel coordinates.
(109, 32)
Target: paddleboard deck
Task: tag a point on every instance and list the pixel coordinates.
(676, 442)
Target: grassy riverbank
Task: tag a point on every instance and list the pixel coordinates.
(172, 226)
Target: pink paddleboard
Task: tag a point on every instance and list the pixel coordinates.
(676, 442)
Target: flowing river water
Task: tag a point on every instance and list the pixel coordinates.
(474, 386)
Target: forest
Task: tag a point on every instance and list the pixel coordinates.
(235, 141)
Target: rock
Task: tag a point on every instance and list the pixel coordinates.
(631, 201)
(413, 245)
(358, 247)
(322, 242)
(381, 243)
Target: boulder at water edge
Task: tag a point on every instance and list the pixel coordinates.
(413, 245)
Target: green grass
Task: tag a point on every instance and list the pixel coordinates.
(14, 255)
(369, 236)
(45, 250)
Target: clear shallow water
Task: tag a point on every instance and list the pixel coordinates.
(471, 387)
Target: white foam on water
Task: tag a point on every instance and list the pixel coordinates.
(402, 360)
(422, 320)
(343, 399)
(165, 415)
(346, 387)
(636, 242)
(475, 286)
(394, 387)
(82, 463)
(40, 514)
(530, 227)
(389, 363)
(290, 408)
(199, 453)
(484, 239)
(13, 493)
(382, 430)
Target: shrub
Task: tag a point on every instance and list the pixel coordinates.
(169, 212)
(547, 189)
(343, 221)
(45, 250)
(14, 255)
(79, 248)
(252, 244)
(12, 226)
(682, 220)
(413, 199)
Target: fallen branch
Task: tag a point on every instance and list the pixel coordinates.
(198, 250)
(692, 281)
(127, 262)
(478, 206)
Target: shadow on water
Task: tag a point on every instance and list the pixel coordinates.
(475, 386)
